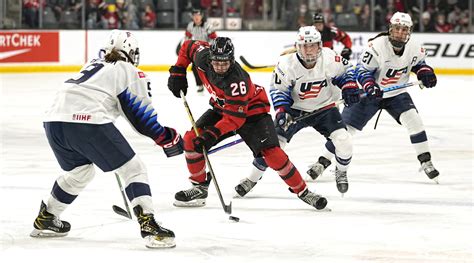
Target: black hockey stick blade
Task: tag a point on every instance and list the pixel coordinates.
(228, 208)
(120, 211)
(246, 63)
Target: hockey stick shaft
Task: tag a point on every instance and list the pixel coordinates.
(246, 63)
(338, 102)
(118, 209)
(227, 145)
(227, 208)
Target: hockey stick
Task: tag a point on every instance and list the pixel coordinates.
(246, 63)
(118, 209)
(227, 145)
(227, 208)
(338, 102)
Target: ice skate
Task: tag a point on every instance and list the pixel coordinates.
(194, 196)
(245, 186)
(341, 181)
(48, 225)
(313, 199)
(318, 168)
(155, 235)
(427, 166)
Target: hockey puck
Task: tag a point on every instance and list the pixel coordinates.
(234, 218)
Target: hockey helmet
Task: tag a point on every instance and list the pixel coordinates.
(126, 44)
(221, 54)
(400, 29)
(318, 18)
(308, 44)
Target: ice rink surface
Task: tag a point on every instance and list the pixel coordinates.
(391, 213)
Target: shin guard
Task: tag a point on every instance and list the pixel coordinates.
(275, 157)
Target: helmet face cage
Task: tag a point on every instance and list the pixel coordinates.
(126, 44)
(306, 38)
(400, 29)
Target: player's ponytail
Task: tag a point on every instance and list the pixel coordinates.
(379, 35)
(113, 56)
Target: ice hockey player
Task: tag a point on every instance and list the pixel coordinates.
(237, 106)
(331, 34)
(80, 130)
(328, 36)
(305, 82)
(388, 60)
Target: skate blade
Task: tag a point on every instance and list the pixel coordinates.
(326, 209)
(46, 233)
(193, 203)
(159, 242)
(309, 179)
(436, 180)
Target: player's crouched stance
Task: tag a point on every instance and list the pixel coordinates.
(80, 130)
(238, 106)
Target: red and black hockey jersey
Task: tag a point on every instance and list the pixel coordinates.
(233, 94)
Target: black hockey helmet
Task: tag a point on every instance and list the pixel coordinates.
(318, 18)
(222, 49)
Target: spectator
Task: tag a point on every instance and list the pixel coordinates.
(252, 9)
(304, 18)
(463, 24)
(148, 17)
(94, 11)
(364, 17)
(428, 25)
(128, 14)
(441, 25)
(30, 9)
(110, 18)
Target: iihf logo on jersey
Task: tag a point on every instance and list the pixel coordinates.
(311, 89)
(393, 75)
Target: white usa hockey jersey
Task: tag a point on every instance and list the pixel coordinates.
(103, 91)
(379, 62)
(309, 89)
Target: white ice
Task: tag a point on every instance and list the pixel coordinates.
(391, 213)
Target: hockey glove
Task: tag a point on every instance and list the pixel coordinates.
(207, 139)
(283, 118)
(427, 76)
(177, 81)
(346, 53)
(350, 93)
(372, 90)
(171, 142)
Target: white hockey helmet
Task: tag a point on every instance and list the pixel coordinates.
(125, 43)
(308, 43)
(402, 21)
